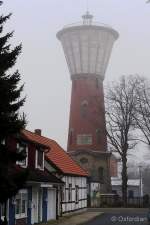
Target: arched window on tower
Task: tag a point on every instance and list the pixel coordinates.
(98, 136)
(84, 108)
(84, 160)
(101, 174)
(71, 136)
(97, 83)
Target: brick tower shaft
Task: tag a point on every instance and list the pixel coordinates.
(87, 114)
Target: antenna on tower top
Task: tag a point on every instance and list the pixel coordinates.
(87, 5)
(87, 17)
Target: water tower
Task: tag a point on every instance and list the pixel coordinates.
(87, 47)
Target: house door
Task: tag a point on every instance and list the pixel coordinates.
(36, 205)
(40, 195)
(51, 209)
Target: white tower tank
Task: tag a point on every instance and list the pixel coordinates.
(87, 46)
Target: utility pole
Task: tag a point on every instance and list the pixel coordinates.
(141, 188)
(140, 176)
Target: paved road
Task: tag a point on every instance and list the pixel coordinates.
(121, 217)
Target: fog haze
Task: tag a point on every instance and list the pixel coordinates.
(42, 63)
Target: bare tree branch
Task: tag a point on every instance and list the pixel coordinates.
(121, 110)
(143, 108)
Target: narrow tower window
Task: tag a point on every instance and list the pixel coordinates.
(71, 137)
(84, 108)
(98, 136)
(97, 83)
(101, 174)
(74, 84)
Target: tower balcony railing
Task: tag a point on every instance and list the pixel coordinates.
(81, 23)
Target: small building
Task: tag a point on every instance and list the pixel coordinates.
(36, 202)
(134, 190)
(73, 195)
(74, 192)
(135, 186)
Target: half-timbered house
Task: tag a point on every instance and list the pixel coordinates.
(37, 201)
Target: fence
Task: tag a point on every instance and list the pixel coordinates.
(116, 201)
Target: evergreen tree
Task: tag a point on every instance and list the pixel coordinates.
(11, 123)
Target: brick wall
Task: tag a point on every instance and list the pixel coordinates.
(89, 89)
(113, 167)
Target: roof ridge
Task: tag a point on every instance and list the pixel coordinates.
(38, 134)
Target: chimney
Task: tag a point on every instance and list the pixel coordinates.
(38, 131)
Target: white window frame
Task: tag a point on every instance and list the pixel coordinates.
(7, 211)
(3, 142)
(63, 195)
(23, 163)
(82, 139)
(76, 194)
(36, 160)
(22, 215)
(70, 193)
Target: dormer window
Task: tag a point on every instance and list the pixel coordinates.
(39, 159)
(23, 147)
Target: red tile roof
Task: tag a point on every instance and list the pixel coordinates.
(57, 155)
(30, 136)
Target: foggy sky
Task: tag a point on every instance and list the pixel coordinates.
(42, 63)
